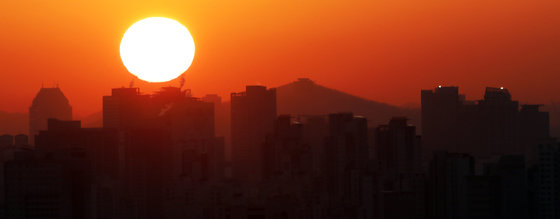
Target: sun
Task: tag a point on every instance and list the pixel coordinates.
(157, 49)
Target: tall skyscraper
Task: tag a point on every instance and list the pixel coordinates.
(126, 108)
(315, 129)
(513, 186)
(490, 127)
(190, 123)
(534, 129)
(49, 103)
(499, 123)
(439, 117)
(397, 146)
(447, 186)
(399, 158)
(221, 116)
(252, 117)
(501, 192)
(166, 141)
(546, 181)
(346, 153)
(285, 152)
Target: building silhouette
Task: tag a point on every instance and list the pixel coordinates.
(167, 142)
(440, 108)
(447, 185)
(99, 145)
(48, 103)
(286, 155)
(9, 147)
(490, 127)
(545, 181)
(398, 147)
(6, 140)
(534, 129)
(501, 191)
(21, 140)
(499, 122)
(88, 164)
(221, 129)
(346, 156)
(47, 185)
(252, 117)
(160, 155)
(399, 170)
(126, 108)
(54, 180)
(315, 130)
(483, 196)
(513, 187)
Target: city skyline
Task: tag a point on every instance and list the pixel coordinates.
(280, 109)
(155, 150)
(289, 103)
(359, 47)
(153, 88)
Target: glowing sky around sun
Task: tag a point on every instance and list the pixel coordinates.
(157, 49)
(381, 50)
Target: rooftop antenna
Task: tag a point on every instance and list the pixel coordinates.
(182, 81)
(131, 84)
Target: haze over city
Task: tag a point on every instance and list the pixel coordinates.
(275, 110)
(380, 50)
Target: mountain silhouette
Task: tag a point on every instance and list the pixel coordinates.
(305, 97)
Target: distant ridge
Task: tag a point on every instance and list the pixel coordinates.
(305, 97)
(301, 97)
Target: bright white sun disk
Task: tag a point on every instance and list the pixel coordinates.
(157, 49)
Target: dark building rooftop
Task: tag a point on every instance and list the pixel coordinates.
(55, 124)
(50, 96)
(125, 91)
(499, 94)
(530, 107)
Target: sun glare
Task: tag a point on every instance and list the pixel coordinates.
(157, 49)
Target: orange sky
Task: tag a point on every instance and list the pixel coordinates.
(382, 50)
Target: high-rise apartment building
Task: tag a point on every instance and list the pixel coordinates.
(50, 103)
